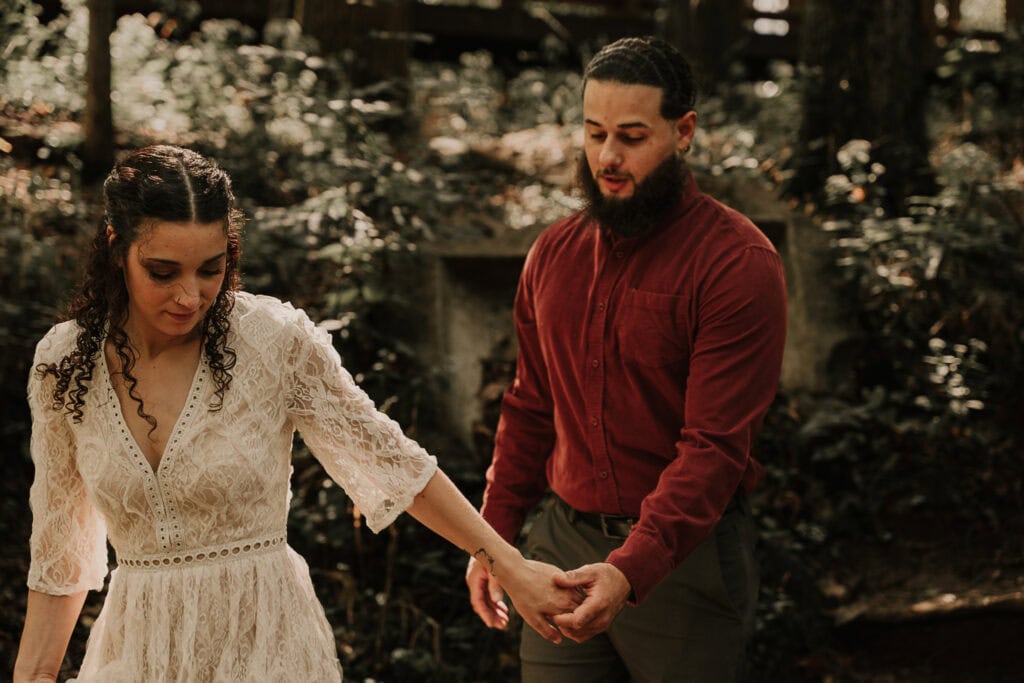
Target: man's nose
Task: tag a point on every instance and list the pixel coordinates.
(610, 156)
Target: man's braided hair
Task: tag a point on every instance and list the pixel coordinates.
(647, 61)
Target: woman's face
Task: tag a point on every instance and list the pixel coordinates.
(173, 273)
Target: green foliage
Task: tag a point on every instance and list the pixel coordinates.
(939, 287)
(334, 219)
(330, 258)
(924, 420)
(745, 126)
(927, 393)
(921, 428)
(983, 80)
(41, 213)
(341, 193)
(40, 243)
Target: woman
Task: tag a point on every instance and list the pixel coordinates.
(163, 415)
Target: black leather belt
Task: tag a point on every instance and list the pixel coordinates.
(613, 526)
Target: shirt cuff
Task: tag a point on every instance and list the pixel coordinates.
(644, 561)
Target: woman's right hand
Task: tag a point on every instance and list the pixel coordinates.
(536, 596)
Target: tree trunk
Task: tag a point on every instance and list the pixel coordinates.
(868, 63)
(1015, 13)
(678, 28)
(377, 33)
(717, 35)
(279, 9)
(98, 146)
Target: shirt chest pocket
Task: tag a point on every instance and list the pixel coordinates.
(651, 329)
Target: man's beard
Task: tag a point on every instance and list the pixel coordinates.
(642, 212)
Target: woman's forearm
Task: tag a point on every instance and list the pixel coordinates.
(442, 508)
(49, 622)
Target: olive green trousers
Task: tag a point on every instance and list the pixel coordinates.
(691, 629)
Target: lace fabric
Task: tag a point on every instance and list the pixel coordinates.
(222, 486)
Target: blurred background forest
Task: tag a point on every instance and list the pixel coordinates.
(396, 158)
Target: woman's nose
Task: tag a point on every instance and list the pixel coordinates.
(188, 295)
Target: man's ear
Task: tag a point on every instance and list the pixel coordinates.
(686, 126)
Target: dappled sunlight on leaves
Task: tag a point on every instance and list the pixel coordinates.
(344, 188)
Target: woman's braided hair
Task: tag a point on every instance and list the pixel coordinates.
(156, 183)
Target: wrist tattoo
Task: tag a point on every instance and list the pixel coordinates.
(483, 556)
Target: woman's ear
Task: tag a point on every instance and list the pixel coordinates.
(111, 236)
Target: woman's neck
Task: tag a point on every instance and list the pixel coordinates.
(151, 346)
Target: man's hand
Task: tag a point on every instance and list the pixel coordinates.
(486, 595)
(533, 589)
(538, 593)
(605, 590)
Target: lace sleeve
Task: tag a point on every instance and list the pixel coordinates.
(362, 449)
(68, 544)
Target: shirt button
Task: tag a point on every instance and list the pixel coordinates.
(603, 474)
(593, 421)
(595, 363)
(620, 254)
(600, 306)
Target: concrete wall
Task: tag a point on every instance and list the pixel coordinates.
(818, 319)
(476, 298)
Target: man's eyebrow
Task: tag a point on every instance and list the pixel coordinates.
(632, 124)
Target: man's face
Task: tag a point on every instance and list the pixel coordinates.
(626, 137)
(630, 171)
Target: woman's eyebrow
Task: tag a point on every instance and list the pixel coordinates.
(172, 262)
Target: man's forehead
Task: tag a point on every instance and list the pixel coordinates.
(603, 99)
(620, 87)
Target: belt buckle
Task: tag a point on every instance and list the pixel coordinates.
(608, 533)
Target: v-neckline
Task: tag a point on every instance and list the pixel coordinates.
(185, 416)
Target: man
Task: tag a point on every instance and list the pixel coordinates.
(651, 327)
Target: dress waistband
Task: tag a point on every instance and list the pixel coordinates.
(210, 554)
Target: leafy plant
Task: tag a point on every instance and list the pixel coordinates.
(342, 189)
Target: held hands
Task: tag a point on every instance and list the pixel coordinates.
(605, 590)
(578, 604)
(535, 589)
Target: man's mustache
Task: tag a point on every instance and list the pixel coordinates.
(613, 175)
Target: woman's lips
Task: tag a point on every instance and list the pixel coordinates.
(182, 317)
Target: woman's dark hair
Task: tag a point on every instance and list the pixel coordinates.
(647, 61)
(157, 183)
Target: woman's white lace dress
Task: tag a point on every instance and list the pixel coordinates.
(206, 587)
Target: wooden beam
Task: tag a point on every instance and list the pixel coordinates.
(511, 24)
